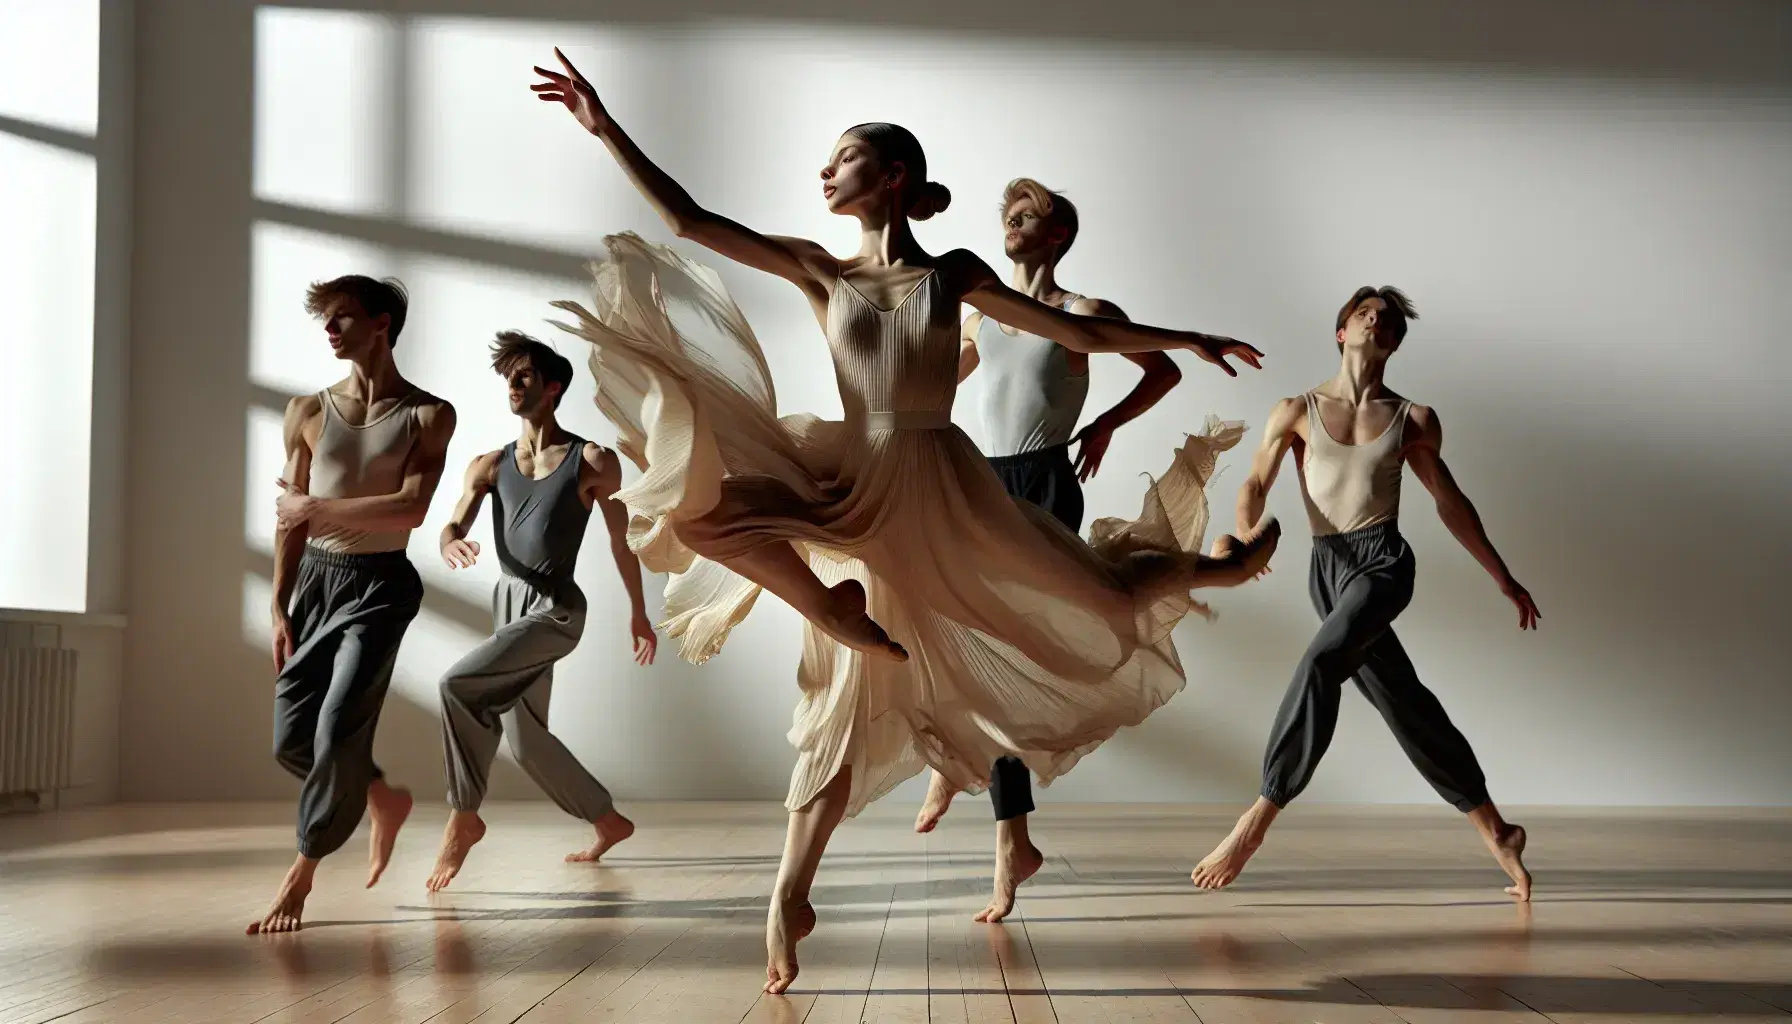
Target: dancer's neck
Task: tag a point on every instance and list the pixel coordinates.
(540, 432)
(886, 241)
(1359, 375)
(1037, 278)
(376, 378)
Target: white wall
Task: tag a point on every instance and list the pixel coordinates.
(1583, 206)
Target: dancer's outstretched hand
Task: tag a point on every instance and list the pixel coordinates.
(572, 90)
(1215, 350)
(1528, 616)
(647, 643)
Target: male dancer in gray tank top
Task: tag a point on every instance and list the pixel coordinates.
(543, 486)
(362, 462)
(1034, 391)
(1351, 437)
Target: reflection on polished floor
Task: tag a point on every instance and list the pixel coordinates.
(135, 914)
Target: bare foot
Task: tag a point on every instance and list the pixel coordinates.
(464, 829)
(289, 902)
(1015, 863)
(789, 922)
(1508, 849)
(388, 807)
(939, 798)
(847, 622)
(612, 828)
(1228, 859)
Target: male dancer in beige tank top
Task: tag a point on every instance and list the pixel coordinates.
(1351, 437)
(362, 462)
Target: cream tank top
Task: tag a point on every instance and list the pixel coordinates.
(1351, 487)
(359, 462)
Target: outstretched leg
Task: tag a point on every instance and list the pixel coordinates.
(791, 917)
(1359, 615)
(1440, 752)
(838, 611)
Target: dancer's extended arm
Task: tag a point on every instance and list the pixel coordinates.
(289, 540)
(799, 261)
(991, 296)
(481, 477)
(1160, 376)
(602, 478)
(1424, 453)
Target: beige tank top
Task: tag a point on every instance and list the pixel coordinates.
(359, 462)
(1351, 487)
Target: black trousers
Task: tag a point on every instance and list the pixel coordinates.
(349, 614)
(1360, 581)
(1045, 478)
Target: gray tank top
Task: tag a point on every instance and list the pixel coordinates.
(360, 462)
(1031, 399)
(538, 525)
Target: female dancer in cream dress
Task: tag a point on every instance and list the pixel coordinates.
(948, 624)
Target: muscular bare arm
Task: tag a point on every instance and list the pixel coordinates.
(801, 262)
(1424, 453)
(1279, 434)
(289, 540)
(480, 478)
(404, 509)
(600, 479)
(992, 296)
(1160, 376)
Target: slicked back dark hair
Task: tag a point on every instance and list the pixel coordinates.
(386, 296)
(514, 347)
(1399, 308)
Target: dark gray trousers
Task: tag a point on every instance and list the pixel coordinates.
(1046, 478)
(1360, 581)
(502, 687)
(349, 614)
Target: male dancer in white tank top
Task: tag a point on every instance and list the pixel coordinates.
(1034, 391)
(362, 462)
(1351, 437)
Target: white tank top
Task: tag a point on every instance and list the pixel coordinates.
(360, 462)
(1351, 487)
(1031, 398)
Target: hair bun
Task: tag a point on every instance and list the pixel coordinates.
(931, 198)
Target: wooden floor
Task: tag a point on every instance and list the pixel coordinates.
(134, 915)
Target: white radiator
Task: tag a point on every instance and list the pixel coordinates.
(37, 720)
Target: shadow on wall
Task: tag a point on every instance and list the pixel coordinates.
(1593, 552)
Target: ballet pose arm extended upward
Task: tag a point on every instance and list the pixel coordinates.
(600, 477)
(799, 261)
(1425, 456)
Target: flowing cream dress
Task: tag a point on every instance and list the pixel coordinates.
(1023, 639)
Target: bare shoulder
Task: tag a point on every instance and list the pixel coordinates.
(810, 254)
(301, 412)
(1423, 426)
(484, 468)
(1289, 413)
(973, 324)
(598, 457)
(964, 271)
(1086, 306)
